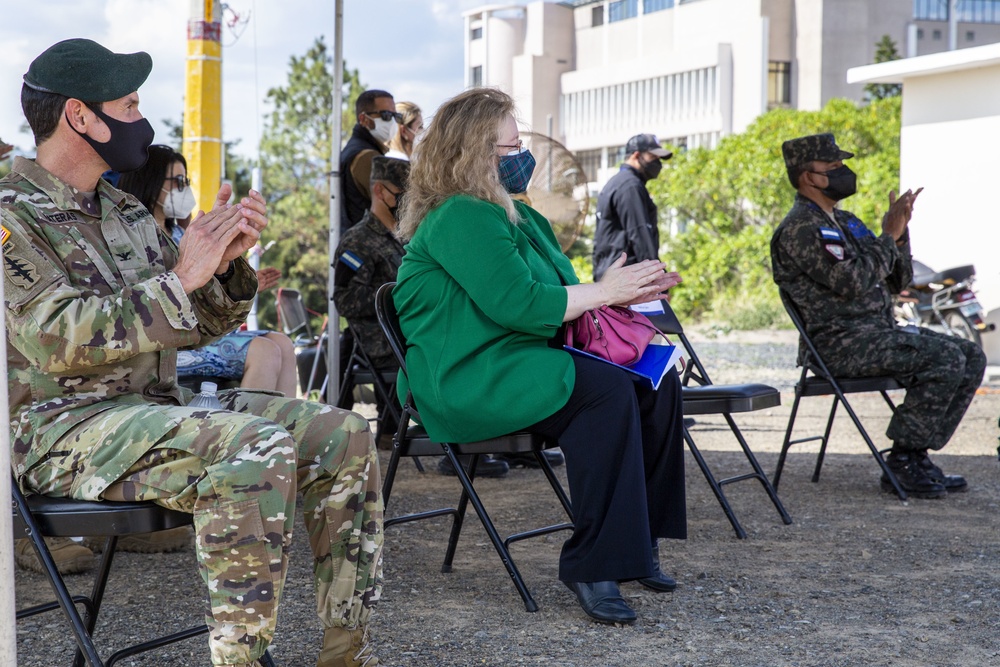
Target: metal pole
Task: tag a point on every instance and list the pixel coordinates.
(255, 253)
(8, 620)
(953, 25)
(333, 324)
(203, 101)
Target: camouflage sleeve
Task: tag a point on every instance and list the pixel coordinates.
(59, 326)
(902, 272)
(221, 308)
(354, 291)
(834, 264)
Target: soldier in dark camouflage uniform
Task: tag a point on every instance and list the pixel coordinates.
(842, 278)
(97, 303)
(368, 256)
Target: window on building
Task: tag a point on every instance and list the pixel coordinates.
(616, 155)
(920, 33)
(597, 15)
(622, 9)
(779, 84)
(936, 35)
(650, 6)
(477, 33)
(970, 36)
(591, 163)
(476, 79)
(930, 10)
(979, 11)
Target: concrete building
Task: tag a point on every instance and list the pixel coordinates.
(591, 73)
(949, 143)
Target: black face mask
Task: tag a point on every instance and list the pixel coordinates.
(652, 168)
(842, 183)
(127, 150)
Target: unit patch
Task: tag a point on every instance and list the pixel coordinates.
(4, 235)
(351, 260)
(835, 250)
(830, 234)
(20, 271)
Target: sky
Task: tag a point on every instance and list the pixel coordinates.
(412, 48)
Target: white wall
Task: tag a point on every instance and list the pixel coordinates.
(950, 141)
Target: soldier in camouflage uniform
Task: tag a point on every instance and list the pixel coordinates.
(369, 255)
(97, 303)
(842, 278)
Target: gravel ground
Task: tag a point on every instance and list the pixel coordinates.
(859, 578)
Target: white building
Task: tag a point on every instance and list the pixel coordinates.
(949, 143)
(592, 73)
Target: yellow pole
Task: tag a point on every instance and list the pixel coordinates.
(203, 101)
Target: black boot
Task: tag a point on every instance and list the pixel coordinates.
(951, 483)
(487, 466)
(658, 581)
(602, 601)
(911, 476)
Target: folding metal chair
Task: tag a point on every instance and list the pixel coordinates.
(360, 370)
(413, 441)
(37, 517)
(293, 318)
(706, 398)
(817, 380)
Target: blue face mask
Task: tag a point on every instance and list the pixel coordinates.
(515, 171)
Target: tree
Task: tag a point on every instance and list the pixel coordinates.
(885, 50)
(295, 155)
(733, 196)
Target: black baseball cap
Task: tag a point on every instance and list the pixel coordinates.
(647, 143)
(85, 70)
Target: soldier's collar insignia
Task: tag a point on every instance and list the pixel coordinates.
(835, 250)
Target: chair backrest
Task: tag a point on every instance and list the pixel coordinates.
(668, 324)
(292, 313)
(812, 360)
(388, 319)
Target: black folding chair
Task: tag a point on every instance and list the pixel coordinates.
(293, 318)
(817, 380)
(413, 441)
(37, 517)
(705, 398)
(360, 370)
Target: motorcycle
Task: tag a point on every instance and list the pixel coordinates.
(942, 301)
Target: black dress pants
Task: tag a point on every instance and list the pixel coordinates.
(624, 450)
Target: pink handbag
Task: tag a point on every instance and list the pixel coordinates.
(617, 334)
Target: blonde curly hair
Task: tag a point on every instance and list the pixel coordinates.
(458, 156)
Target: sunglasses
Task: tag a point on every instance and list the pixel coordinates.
(180, 182)
(386, 115)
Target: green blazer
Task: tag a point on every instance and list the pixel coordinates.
(479, 299)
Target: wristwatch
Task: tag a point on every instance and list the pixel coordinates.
(227, 274)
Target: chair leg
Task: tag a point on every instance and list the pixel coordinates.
(787, 441)
(390, 477)
(550, 475)
(97, 591)
(875, 452)
(825, 440)
(758, 471)
(463, 505)
(716, 488)
(491, 531)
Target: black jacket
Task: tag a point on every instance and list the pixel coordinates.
(626, 222)
(353, 203)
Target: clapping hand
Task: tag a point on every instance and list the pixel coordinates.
(895, 220)
(267, 278)
(636, 283)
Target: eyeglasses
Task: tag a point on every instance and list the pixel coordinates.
(180, 181)
(514, 149)
(386, 115)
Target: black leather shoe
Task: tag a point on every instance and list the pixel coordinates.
(911, 476)
(602, 601)
(487, 467)
(658, 581)
(528, 460)
(951, 483)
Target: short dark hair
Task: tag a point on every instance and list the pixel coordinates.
(366, 101)
(147, 181)
(43, 111)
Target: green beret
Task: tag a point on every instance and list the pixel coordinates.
(392, 170)
(85, 70)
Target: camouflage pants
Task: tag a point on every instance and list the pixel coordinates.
(238, 473)
(941, 374)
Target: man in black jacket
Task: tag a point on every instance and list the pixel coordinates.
(377, 124)
(626, 215)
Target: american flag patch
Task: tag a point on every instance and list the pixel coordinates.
(351, 260)
(829, 234)
(4, 235)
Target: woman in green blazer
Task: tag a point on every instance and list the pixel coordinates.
(483, 293)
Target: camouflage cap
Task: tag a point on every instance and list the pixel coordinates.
(822, 147)
(391, 170)
(85, 70)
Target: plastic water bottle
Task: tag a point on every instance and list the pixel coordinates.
(206, 398)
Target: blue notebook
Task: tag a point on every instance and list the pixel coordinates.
(659, 357)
